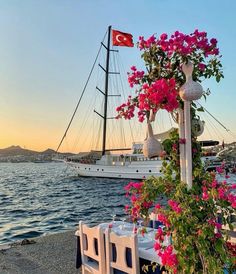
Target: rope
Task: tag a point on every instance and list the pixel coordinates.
(214, 118)
(229, 131)
(73, 115)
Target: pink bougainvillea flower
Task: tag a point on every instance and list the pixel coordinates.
(138, 186)
(163, 219)
(201, 66)
(163, 154)
(233, 186)
(214, 184)
(159, 235)
(163, 36)
(161, 94)
(232, 199)
(127, 208)
(174, 146)
(133, 198)
(157, 206)
(147, 204)
(182, 140)
(168, 258)
(205, 196)
(157, 246)
(175, 206)
(217, 235)
(221, 169)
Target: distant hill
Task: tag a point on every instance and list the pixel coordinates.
(16, 150)
(19, 151)
(48, 152)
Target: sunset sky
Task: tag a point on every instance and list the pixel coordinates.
(48, 47)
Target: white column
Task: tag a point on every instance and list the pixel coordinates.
(188, 145)
(189, 92)
(182, 146)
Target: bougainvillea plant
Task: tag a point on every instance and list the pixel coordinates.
(192, 219)
(158, 86)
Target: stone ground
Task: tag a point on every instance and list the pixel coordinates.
(52, 254)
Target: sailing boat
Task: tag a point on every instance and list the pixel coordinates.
(105, 164)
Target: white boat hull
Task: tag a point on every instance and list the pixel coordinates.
(138, 170)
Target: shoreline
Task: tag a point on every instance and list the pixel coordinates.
(50, 254)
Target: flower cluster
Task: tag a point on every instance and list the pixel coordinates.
(169, 258)
(161, 94)
(158, 87)
(163, 219)
(175, 206)
(182, 44)
(218, 191)
(135, 77)
(140, 202)
(126, 110)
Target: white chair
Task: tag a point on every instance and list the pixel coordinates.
(92, 254)
(121, 243)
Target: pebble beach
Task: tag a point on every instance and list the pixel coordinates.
(52, 254)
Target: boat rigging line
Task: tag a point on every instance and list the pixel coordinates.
(81, 96)
(229, 131)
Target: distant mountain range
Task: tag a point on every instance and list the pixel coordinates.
(19, 154)
(19, 151)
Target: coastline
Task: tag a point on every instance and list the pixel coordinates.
(50, 254)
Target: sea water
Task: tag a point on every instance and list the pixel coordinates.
(42, 198)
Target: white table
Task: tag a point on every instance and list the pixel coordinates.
(145, 243)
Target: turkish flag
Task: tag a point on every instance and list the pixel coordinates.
(122, 39)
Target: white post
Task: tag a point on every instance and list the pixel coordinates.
(189, 92)
(188, 145)
(182, 146)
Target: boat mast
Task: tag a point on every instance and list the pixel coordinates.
(106, 92)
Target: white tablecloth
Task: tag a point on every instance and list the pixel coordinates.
(145, 243)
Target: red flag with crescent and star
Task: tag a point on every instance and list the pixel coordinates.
(122, 39)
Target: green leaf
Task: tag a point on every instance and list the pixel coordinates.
(201, 109)
(218, 78)
(194, 105)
